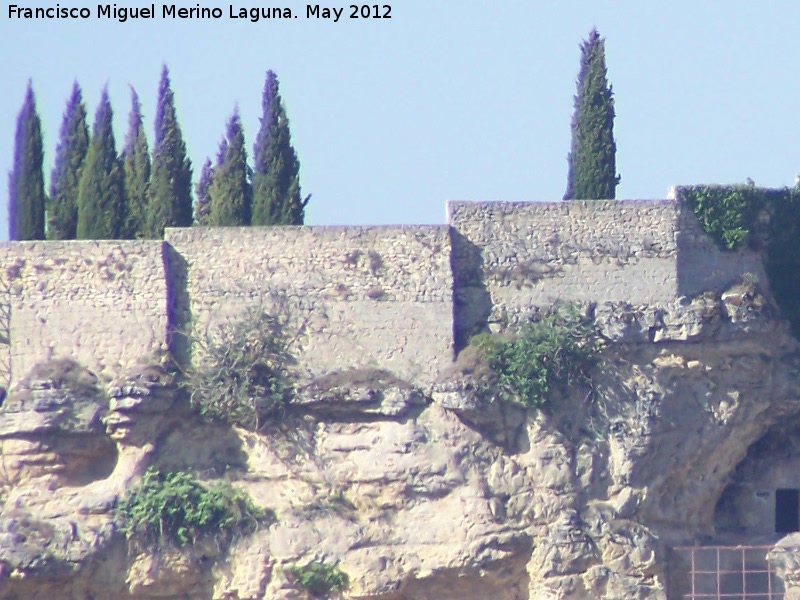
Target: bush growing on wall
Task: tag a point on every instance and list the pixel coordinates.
(767, 219)
(177, 508)
(560, 348)
(242, 376)
(320, 579)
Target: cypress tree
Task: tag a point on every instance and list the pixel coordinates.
(26, 199)
(171, 180)
(73, 143)
(230, 193)
(101, 194)
(276, 174)
(136, 167)
(592, 158)
(202, 204)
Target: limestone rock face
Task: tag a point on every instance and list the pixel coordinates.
(416, 494)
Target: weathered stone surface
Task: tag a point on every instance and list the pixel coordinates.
(416, 495)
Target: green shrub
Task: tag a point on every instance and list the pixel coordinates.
(177, 508)
(557, 349)
(242, 377)
(320, 579)
(766, 218)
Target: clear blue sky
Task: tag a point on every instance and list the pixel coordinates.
(466, 99)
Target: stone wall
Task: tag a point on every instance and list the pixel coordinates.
(702, 266)
(531, 255)
(511, 258)
(397, 298)
(102, 303)
(373, 297)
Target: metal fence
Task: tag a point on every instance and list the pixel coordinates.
(729, 573)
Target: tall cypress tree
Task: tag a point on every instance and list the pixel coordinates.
(276, 173)
(136, 167)
(171, 180)
(101, 194)
(202, 206)
(73, 143)
(26, 199)
(592, 158)
(230, 192)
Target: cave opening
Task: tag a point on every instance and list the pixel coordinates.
(787, 510)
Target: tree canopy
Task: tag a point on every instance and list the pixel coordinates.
(276, 173)
(26, 198)
(171, 182)
(101, 194)
(592, 158)
(73, 144)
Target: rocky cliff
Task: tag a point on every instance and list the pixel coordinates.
(419, 494)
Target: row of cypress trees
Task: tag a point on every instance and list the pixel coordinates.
(96, 194)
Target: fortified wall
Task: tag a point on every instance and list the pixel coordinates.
(402, 298)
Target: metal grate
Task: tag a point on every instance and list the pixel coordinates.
(730, 573)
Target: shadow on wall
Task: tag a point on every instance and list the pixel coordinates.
(179, 313)
(472, 303)
(702, 266)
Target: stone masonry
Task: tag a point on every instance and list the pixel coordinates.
(402, 298)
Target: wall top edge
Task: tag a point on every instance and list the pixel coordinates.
(78, 244)
(257, 230)
(454, 207)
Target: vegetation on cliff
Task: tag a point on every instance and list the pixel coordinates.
(320, 579)
(558, 349)
(242, 375)
(177, 508)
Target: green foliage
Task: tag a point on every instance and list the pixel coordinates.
(202, 206)
(171, 180)
(276, 174)
(229, 192)
(320, 579)
(26, 199)
(558, 349)
(101, 193)
(762, 218)
(136, 166)
(727, 213)
(592, 158)
(73, 144)
(243, 375)
(179, 509)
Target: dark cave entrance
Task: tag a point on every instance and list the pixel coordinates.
(787, 510)
(761, 502)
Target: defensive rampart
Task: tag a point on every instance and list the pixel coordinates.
(354, 296)
(399, 298)
(102, 303)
